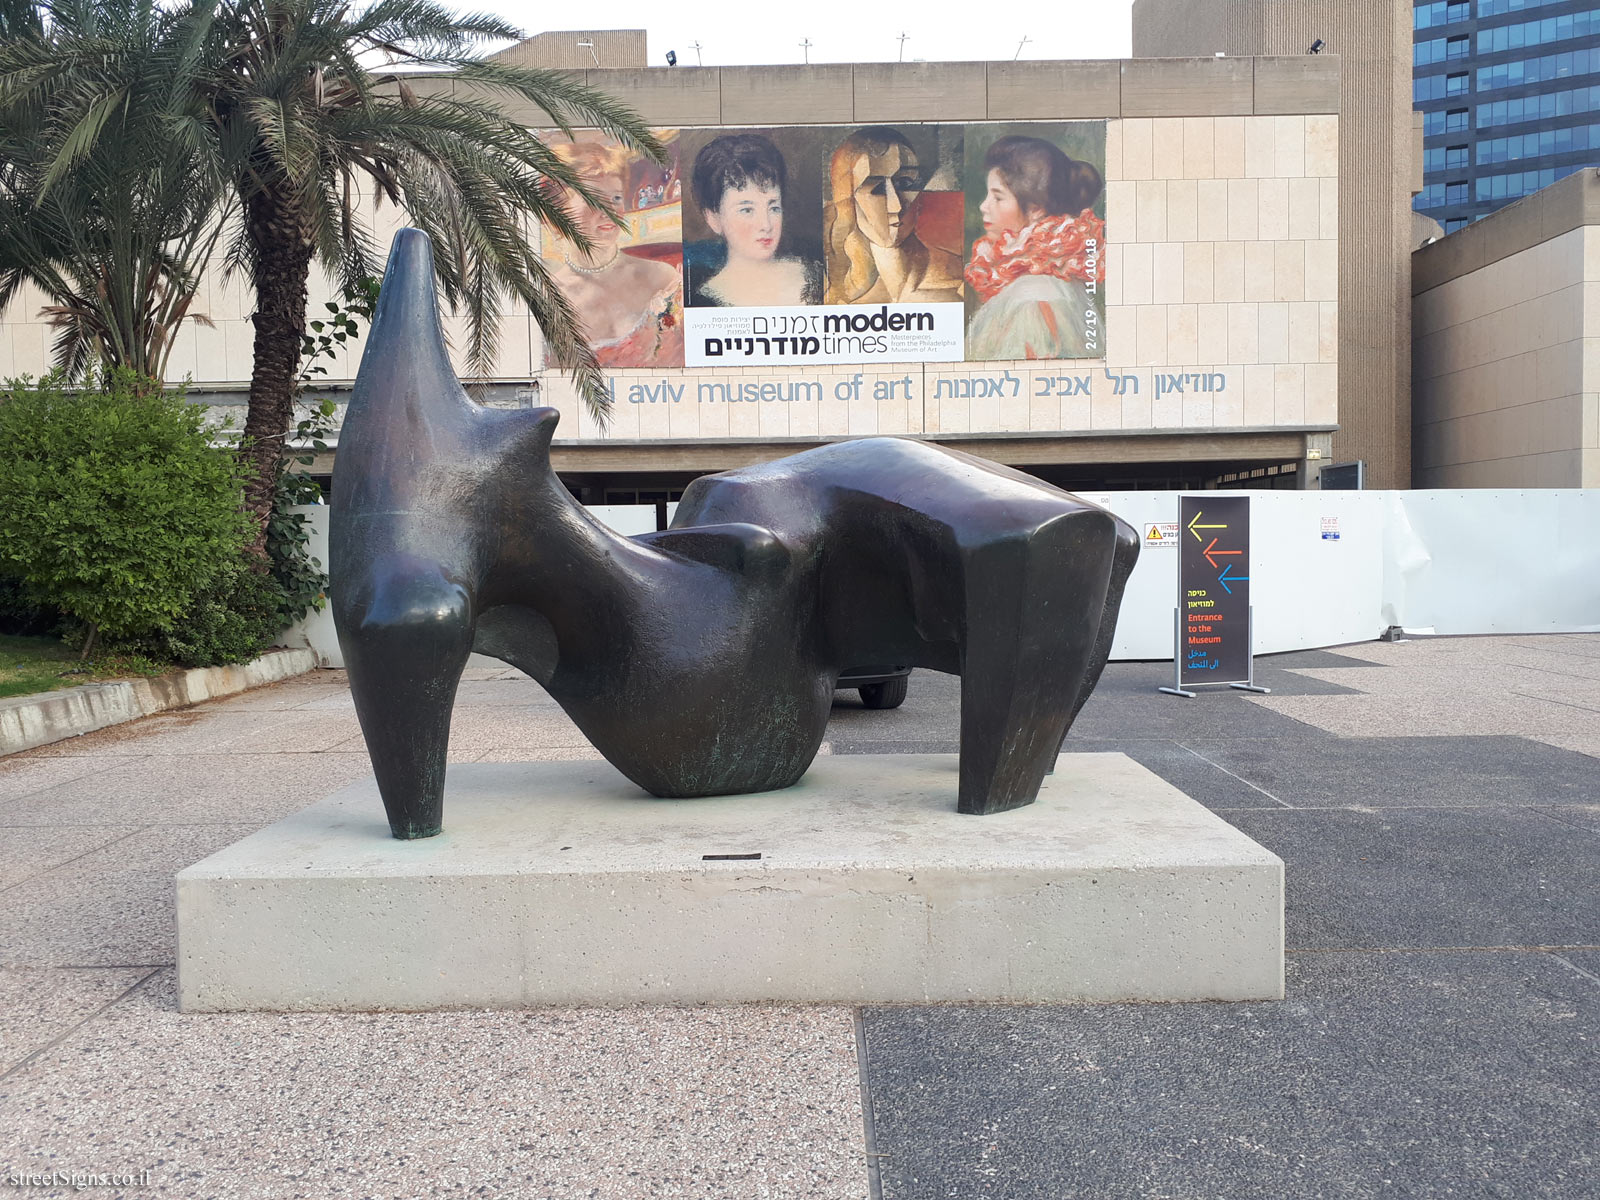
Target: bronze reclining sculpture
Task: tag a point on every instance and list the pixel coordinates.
(700, 660)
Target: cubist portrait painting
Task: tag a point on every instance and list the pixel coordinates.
(892, 215)
(1035, 225)
(751, 217)
(627, 287)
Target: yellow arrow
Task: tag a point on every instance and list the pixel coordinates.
(1195, 529)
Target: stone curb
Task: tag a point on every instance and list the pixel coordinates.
(38, 720)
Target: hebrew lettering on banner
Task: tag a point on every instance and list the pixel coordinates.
(858, 334)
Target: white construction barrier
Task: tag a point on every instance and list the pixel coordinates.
(1308, 590)
(1502, 561)
(1327, 568)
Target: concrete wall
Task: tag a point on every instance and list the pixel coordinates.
(559, 50)
(1506, 366)
(1372, 39)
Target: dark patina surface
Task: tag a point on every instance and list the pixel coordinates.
(700, 660)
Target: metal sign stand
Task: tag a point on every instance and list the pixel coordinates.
(1249, 685)
(1177, 688)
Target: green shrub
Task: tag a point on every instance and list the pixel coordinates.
(232, 621)
(299, 578)
(118, 510)
(21, 616)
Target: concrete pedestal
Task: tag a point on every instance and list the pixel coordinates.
(563, 884)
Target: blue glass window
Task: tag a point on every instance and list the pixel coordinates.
(1539, 108)
(1536, 70)
(1539, 143)
(1429, 16)
(1495, 8)
(1518, 183)
(1535, 33)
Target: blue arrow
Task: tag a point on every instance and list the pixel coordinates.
(1225, 577)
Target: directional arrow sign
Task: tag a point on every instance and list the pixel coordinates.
(1214, 590)
(1196, 528)
(1212, 549)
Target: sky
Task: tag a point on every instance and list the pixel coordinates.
(752, 33)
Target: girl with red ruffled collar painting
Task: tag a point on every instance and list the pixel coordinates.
(1042, 246)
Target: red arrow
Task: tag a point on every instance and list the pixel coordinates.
(1212, 549)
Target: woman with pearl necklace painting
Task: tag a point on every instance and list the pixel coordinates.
(631, 307)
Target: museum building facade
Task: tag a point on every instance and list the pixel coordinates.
(1111, 274)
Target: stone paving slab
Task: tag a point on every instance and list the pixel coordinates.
(503, 754)
(1429, 1075)
(303, 692)
(172, 789)
(22, 774)
(1139, 711)
(1585, 962)
(1302, 660)
(844, 743)
(191, 731)
(1581, 816)
(523, 727)
(1189, 770)
(28, 851)
(1395, 771)
(742, 1102)
(1539, 688)
(520, 693)
(1307, 676)
(1430, 877)
(42, 1005)
(111, 907)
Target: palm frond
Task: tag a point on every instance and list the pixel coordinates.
(149, 132)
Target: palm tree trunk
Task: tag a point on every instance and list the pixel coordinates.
(283, 249)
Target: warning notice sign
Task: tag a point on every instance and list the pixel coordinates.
(1160, 533)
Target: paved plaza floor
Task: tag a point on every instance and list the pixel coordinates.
(1436, 803)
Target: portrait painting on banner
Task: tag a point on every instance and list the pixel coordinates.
(751, 217)
(1035, 240)
(628, 287)
(892, 215)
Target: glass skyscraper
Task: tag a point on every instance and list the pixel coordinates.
(1510, 96)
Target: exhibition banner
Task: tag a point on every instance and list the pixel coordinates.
(950, 242)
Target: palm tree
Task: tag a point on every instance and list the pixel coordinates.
(291, 105)
(117, 239)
